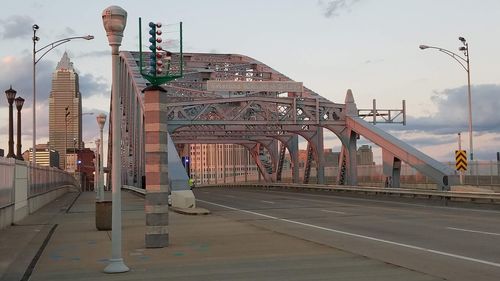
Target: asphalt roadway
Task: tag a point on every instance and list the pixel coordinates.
(448, 242)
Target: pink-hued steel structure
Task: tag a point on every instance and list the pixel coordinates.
(231, 98)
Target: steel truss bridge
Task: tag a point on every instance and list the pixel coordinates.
(235, 99)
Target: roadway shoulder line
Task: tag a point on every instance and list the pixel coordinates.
(335, 212)
(474, 231)
(360, 236)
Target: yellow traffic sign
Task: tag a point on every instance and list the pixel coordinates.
(461, 160)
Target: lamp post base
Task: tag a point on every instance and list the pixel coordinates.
(116, 266)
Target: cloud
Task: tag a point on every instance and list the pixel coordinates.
(103, 53)
(373, 61)
(16, 27)
(436, 134)
(91, 85)
(333, 8)
(17, 71)
(67, 32)
(452, 112)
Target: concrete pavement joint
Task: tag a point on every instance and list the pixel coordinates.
(35, 259)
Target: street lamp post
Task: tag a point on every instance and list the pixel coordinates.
(45, 49)
(114, 19)
(101, 120)
(464, 62)
(96, 169)
(11, 95)
(66, 122)
(75, 158)
(19, 106)
(66, 137)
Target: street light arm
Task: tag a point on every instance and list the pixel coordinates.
(461, 60)
(82, 114)
(58, 43)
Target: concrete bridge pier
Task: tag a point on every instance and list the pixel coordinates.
(157, 181)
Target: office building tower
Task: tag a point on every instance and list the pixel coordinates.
(65, 107)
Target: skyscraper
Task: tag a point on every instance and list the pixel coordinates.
(65, 107)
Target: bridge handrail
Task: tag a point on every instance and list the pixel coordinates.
(418, 193)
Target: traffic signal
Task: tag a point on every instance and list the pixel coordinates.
(156, 56)
(158, 65)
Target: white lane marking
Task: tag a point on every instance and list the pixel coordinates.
(268, 202)
(474, 231)
(230, 196)
(360, 236)
(335, 212)
(381, 201)
(234, 209)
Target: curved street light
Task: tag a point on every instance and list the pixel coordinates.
(464, 62)
(45, 49)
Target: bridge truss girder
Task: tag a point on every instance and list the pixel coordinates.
(278, 113)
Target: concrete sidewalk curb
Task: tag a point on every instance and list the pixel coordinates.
(190, 211)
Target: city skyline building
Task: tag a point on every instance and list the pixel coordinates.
(65, 111)
(218, 163)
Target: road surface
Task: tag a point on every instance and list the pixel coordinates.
(448, 242)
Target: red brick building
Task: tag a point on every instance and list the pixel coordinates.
(86, 168)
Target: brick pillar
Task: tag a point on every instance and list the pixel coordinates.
(157, 184)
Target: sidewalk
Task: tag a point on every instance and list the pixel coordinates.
(201, 248)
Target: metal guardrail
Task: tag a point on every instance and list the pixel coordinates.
(474, 197)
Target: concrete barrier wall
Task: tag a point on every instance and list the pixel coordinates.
(37, 202)
(24, 200)
(6, 216)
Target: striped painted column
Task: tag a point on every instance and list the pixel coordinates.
(157, 184)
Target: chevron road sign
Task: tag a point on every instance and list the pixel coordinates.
(461, 160)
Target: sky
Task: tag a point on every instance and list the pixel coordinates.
(369, 46)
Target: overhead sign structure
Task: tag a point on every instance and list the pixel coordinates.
(461, 160)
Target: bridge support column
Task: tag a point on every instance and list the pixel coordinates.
(353, 162)
(348, 167)
(274, 153)
(255, 153)
(157, 184)
(391, 169)
(293, 148)
(320, 164)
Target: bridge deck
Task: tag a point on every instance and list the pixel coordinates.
(202, 248)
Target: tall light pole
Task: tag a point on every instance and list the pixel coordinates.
(45, 49)
(464, 62)
(66, 136)
(101, 120)
(96, 169)
(114, 19)
(19, 106)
